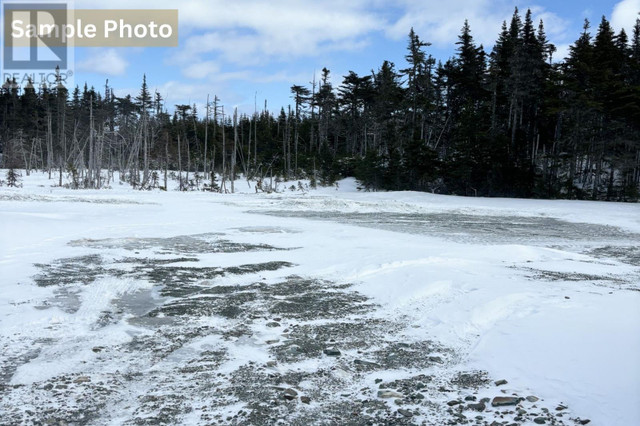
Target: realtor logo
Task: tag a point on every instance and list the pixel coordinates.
(31, 38)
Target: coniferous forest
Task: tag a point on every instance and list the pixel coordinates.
(512, 122)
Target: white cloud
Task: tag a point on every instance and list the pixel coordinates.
(624, 15)
(562, 52)
(440, 22)
(103, 61)
(202, 69)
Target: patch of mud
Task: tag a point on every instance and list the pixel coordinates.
(266, 230)
(625, 254)
(72, 270)
(609, 281)
(183, 244)
(66, 199)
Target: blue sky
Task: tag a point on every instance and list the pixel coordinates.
(245, 49)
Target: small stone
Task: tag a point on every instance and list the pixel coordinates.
(584, 421)
(378, 381)
(271, 363)
(97, 349)
(290, 394)
(389, 394)
(521, 411)
(405, 413)
(305, 399)
(539, 420)
(435, 359)
(273, 324)
(567, 297)
(470, 398)
(332, 352)
(501, 401)
(365, 363)
(560, 407)
(501, 382)
(82, 379)
(532, 398)
(454, 402)
(271, 342)
(480, 406)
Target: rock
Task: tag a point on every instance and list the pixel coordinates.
(454, 402)
(532, 398)
(560, 407)
(405, 413)
(435, 359)
(290, 394)
(539, 420)
(485, 400)
(501, 401)
(332, 352)
(47, 387)
(567, 297)
(365, 363)
(273, 324)
(389, 394)
(305, 399)
(272, 341)
(501, 382)
(82, 379)
(583, 421)
(480, 406)
(521, 412)
(470, 398)
(271, 363)
(98, 349)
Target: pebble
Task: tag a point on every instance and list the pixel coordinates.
(389, 394)
(480, 406)
(500, 401)
(405, 413)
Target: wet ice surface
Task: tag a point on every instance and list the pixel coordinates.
(473, 228)
(607, 243)
(199, 343)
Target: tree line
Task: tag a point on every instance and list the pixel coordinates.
(509, 122)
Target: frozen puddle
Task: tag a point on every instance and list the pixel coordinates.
(148, 331)
(465, 228)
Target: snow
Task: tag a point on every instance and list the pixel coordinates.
(544, 311)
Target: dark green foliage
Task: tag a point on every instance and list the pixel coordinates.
(13, 178)
(507, 123)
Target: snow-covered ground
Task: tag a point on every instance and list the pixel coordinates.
(332, 305)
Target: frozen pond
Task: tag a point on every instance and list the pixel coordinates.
(195, 309)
